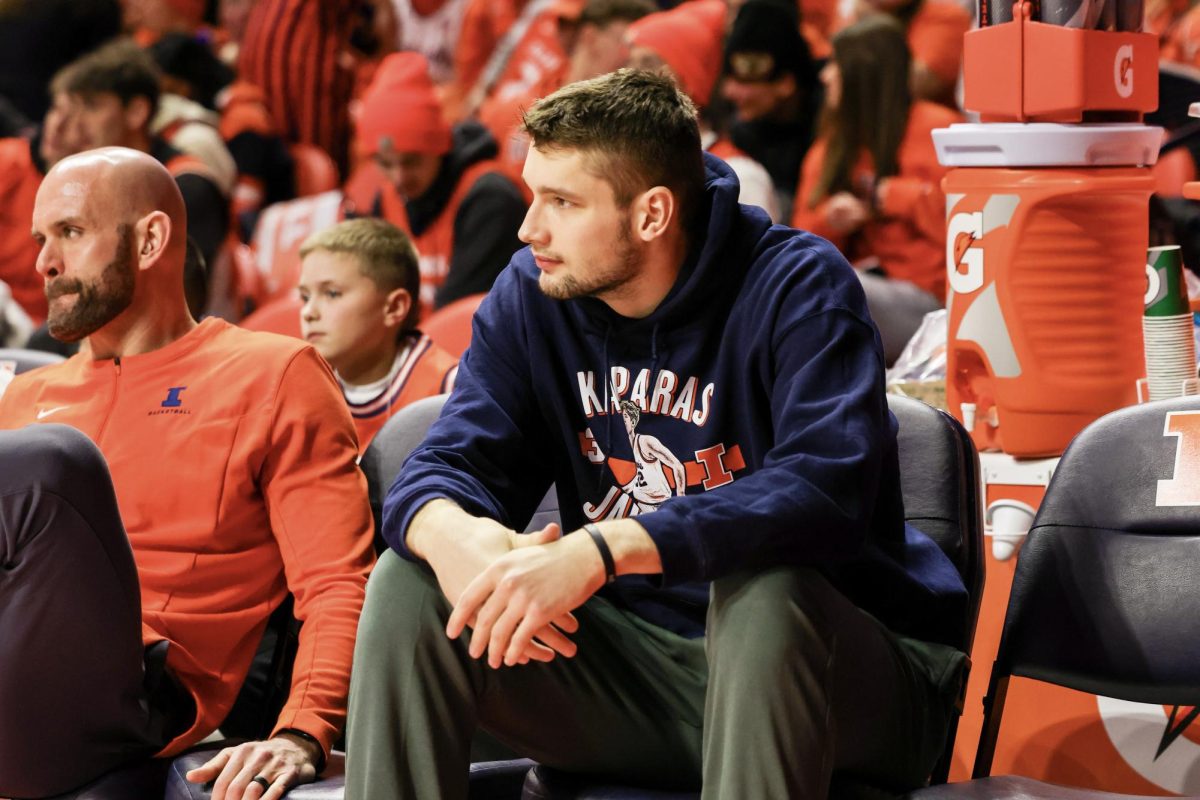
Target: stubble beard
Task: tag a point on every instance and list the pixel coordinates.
(98, 303)
(623, 266)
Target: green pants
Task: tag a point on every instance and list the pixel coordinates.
(790, 685)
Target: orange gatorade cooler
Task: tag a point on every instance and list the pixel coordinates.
(1045, 253)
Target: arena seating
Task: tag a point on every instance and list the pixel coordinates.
(1103, 598)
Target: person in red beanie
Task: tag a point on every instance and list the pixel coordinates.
(444, 185)
(686, 43)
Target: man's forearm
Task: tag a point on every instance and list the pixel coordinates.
(433, 521)
(439, 523)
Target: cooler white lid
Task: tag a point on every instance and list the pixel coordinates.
(1047, 144)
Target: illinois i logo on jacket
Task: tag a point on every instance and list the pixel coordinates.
(172, 403)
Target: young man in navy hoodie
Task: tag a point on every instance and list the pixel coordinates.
(774, 623)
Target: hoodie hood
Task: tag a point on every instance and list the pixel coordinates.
(714, 266)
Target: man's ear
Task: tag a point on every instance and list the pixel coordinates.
(396, 306)
(655, 211)
(137, 114)
(152, 234)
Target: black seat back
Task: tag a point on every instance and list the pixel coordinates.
(1104, 597)
(939, 477)
(265, 690)
(26, 360)
(396, 440)
(390, 449)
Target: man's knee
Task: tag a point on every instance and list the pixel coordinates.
(53, 478)
(54, 458)
(766, 619)
(404, 609)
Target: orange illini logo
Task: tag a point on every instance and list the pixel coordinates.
(1183, 487)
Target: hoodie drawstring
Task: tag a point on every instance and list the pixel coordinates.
(654, 350)
(607, 372)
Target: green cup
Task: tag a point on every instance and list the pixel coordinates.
(1166, 291)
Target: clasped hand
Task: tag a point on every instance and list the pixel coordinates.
(516, 592)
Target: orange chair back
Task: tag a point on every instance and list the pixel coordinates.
(450, 326)
(279, 316)
(315, 171)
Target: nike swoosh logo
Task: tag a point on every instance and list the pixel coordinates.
(45, 412)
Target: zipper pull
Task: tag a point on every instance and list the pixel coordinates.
(117, 364)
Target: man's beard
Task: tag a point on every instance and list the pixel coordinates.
(96, 304)
(623, 265)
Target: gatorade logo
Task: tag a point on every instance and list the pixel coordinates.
(1159, 745)
(1154, 287)
(1123, 70)
(964, 261)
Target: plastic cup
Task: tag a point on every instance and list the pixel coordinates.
(1170, 345)
(1166, 292)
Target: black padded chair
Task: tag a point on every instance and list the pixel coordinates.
(28, 359)
(939, 477)
(390, 448)
(1104, 596)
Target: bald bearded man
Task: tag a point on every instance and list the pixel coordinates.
(130, 609)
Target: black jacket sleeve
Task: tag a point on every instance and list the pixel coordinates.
(207, 213)
(485, 237)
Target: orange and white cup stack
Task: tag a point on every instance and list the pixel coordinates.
(1167, 329)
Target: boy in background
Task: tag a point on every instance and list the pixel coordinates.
(359, 283)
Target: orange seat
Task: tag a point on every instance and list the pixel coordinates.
(281, 229)
(450, 326)
(1172, 171)
(279, 316)
(315, 171)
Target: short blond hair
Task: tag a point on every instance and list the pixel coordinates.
(384, 253)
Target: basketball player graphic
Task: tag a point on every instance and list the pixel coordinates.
(649, 487)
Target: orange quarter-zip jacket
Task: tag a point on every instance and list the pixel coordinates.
(233, 458)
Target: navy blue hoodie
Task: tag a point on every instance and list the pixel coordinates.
(755, 389)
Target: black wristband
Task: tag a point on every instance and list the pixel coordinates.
(308, 737)
(610, 567)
